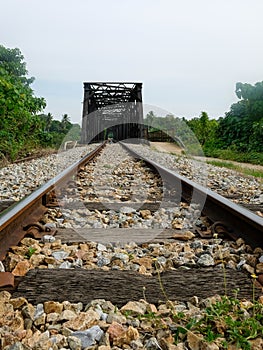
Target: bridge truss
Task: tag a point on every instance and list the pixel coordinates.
(112, 110)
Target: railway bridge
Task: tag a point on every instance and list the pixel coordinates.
(112, 110)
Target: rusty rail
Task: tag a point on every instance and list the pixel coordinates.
(23, 216)
(239, 221)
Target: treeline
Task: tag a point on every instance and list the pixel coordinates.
(22, 126)
(236, 136)
(177, 128)
(54, 132)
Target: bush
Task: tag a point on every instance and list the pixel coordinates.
(230, 154)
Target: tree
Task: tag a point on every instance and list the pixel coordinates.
(249, 92)
(12, 61)
(241, 127)
(65, 123)
(169, 122)
(203, 128)
(74, 133)
(46, 120)
(19, 124)
(150, 117)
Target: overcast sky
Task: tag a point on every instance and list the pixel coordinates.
(188, 54)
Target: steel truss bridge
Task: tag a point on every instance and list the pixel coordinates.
(112, 110)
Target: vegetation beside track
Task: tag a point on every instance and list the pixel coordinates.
(243, 170)
(237, 136)
(22, 128)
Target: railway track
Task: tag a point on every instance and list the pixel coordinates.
(243, 190)
(125, 244)
(238, 221)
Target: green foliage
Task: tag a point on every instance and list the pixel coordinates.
(12, 63)
(239, 135)
(242, 126)
(54, 132)
(46, 121)
(227, 321)
(177, 128)
(30, 252)
(229, 165)
(233, 154)
(249, 92)
(183, 329)
(65, 123)
(21, 128)
(73, 133)
(18, 105)
(204, 129)
(149, 316)
(226, 318)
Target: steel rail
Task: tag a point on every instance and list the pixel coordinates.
(28, 210)
(240, 221)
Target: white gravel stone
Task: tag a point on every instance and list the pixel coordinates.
(246, 189)
(19, 180)
(206, 260)
(2, 268)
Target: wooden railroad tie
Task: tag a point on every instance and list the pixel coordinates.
(119, 287)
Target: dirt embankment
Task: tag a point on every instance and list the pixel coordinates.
(172, 148)
(166, 147)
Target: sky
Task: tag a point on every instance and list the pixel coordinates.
(188, 54)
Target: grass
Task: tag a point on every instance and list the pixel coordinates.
(225, 322)
(30, 252)
(228, 319)
(243, 170)
(230, 154)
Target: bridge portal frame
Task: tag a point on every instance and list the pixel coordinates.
(114, 107)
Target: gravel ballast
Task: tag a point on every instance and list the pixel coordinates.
(19, 180)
